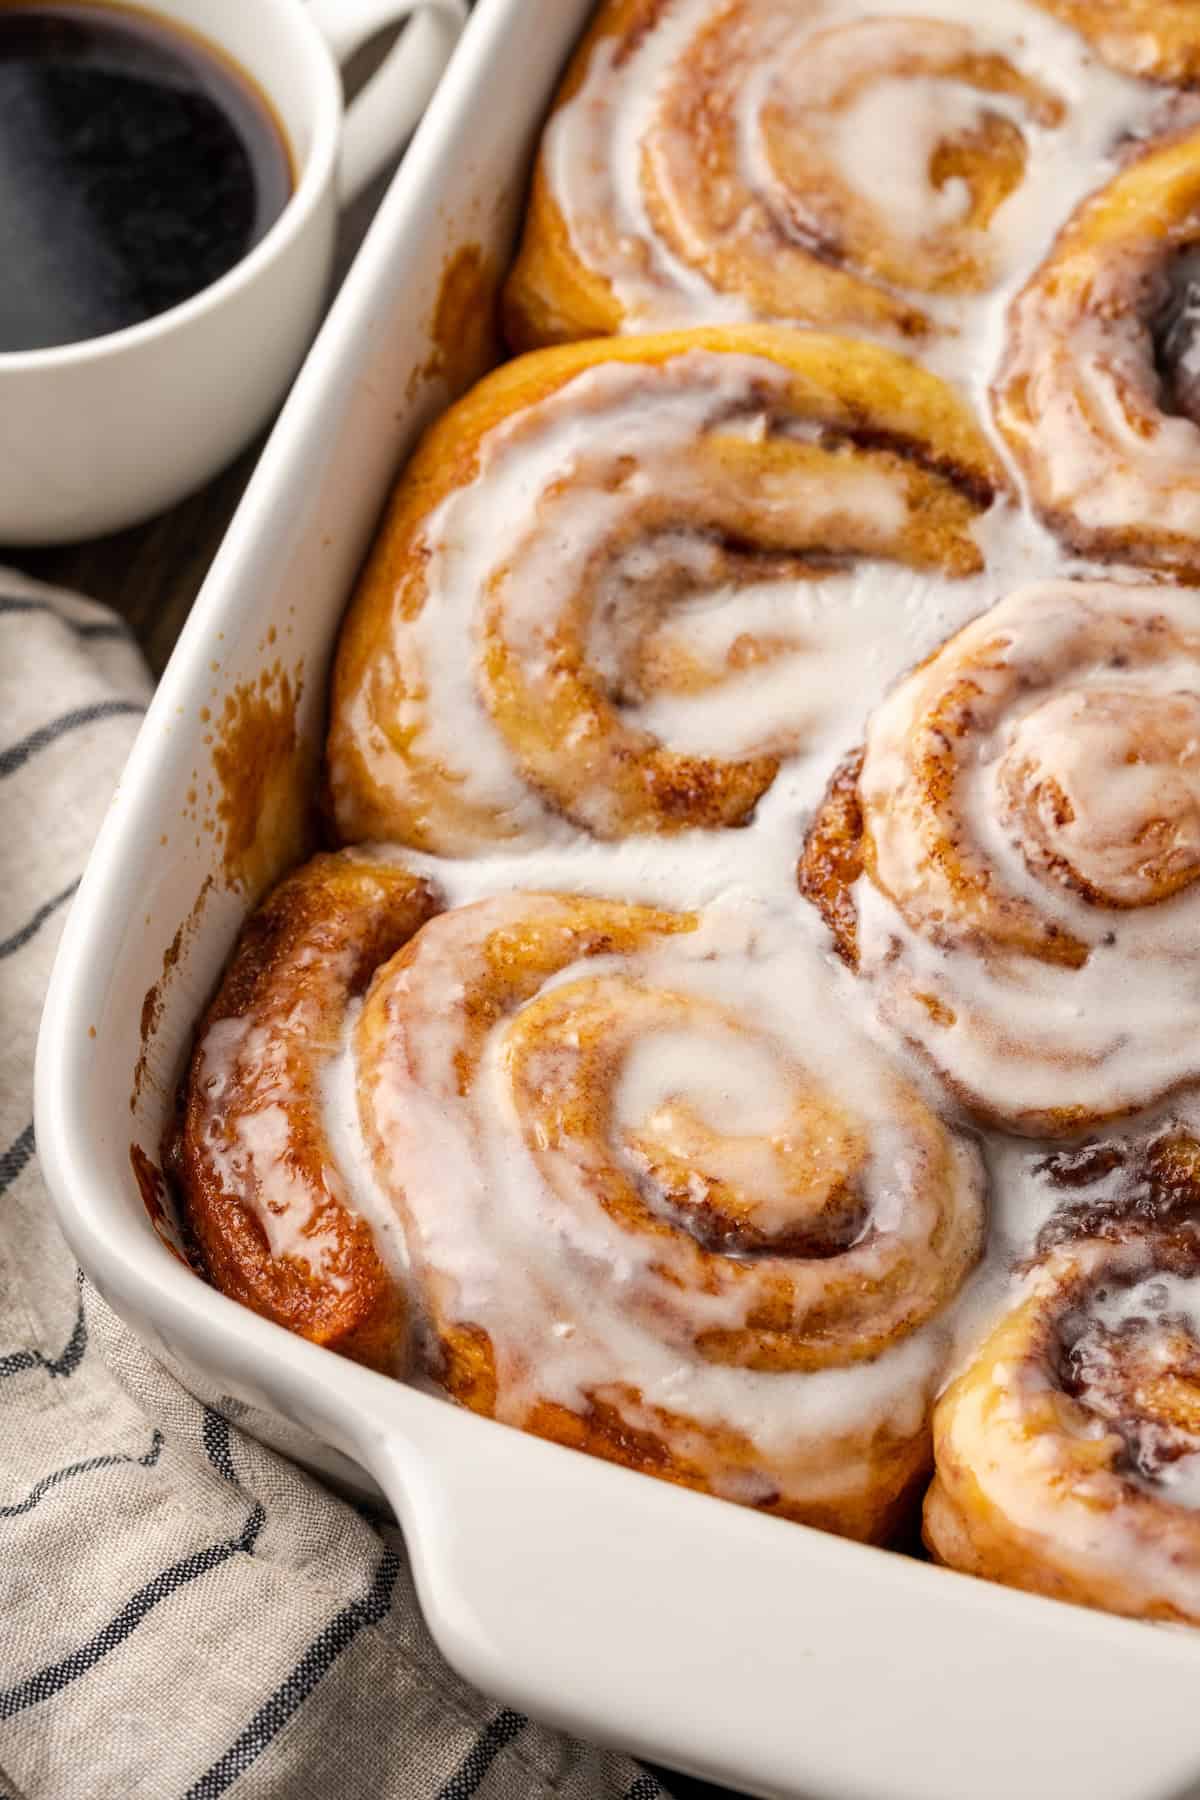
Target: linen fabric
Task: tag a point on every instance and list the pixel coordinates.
(184, 1614)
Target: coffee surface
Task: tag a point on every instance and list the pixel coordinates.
(137, 166)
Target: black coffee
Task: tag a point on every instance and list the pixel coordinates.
(136, 167)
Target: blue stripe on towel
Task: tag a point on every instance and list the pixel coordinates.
(52, 1679)
(287, 1699)
(17, 755)
(498, 1732)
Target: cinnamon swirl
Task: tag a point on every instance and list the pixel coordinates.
(1068, 1451)
(1026, 825)
(884, 169)
(585, 611)
(265, 1200)
(663, 1204)
(1097, 395)
(574, 1116)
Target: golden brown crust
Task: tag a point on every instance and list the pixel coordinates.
(564, 732)
(250, 1155)
(872, 1513)
(832, 858)
(807, 246)
(551, 297)
(1156, 39)
(958, 962)
(1052, 1446)
(665, 1214)
(1112, 467)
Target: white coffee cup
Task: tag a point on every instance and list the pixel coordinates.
(101, 434)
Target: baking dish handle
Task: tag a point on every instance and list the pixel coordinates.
(588, 1596)
(381, 118)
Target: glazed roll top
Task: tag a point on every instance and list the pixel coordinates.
(1159, 39)
(1098, 395)
(1013, 862)
(621, 1176)
(663, 1202)
(583, 613)
(1068, 1451)
(267, 1201)
(883, 169)
(580, 1115)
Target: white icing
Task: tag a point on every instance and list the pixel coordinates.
(886, 140)
(877, 621)
(520, 543)
(255, 1162)
(1105, 455)
(1029, 1034)
(1141, 1322)
(548, 494)
(795, 54)
(343, 1128)
(1160, 1295)
(514, 1225)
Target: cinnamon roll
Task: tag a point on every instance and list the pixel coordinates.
(265, 1199)
(1145, 1180)
(1159, 39)
(664, 1202)
(585, 611)
(1013, 863)
(875, 169)
(1068, 1451)
(1099, 393)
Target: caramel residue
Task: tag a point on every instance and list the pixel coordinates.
(261, 810)
(463, 330)
(153, 1188)
(154, 998)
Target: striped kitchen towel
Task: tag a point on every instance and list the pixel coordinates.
(183, 1613)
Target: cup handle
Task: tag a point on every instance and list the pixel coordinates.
(380, 119)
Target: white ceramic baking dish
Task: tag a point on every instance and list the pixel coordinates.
(757, 1652)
